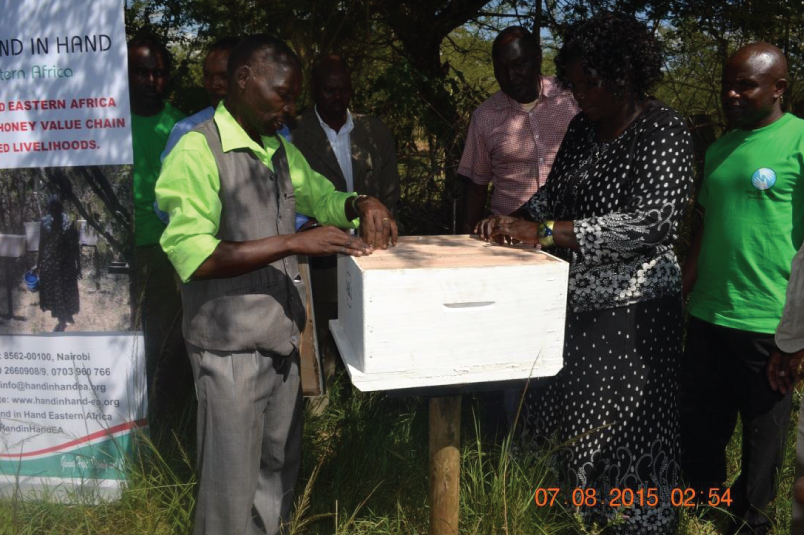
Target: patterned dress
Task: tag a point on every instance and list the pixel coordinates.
(59, 267)
(613, 407)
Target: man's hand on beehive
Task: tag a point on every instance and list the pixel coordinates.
(327, 240)
(377, 226)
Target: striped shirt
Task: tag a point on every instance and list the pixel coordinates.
(513, 148)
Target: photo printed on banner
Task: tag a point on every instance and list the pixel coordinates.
(65, 246)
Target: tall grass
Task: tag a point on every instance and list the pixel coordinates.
(364, 472)
(158, 499)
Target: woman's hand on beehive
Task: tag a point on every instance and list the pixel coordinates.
(507, 229)
(485, 227)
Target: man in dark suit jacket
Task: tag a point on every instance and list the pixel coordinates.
(356, 153)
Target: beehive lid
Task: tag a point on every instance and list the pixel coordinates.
(463, 251)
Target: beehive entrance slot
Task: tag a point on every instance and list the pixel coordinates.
(473, 305)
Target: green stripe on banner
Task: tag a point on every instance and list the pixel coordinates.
(102, 460)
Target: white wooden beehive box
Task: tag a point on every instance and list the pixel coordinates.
(13, 245)
(450, 310)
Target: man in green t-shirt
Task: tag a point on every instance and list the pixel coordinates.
(736, 274)
(159, 311)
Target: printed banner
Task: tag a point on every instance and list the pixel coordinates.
(63, 84)
(69, 404)
(72, 381)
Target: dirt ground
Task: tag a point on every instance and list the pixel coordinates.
(105, 306)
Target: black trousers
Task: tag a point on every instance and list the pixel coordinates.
(723, 375)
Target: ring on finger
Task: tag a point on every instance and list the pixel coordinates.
(342, 250)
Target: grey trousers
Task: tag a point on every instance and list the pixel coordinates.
(249, 440)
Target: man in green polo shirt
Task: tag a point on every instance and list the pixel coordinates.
(232, 188)
(158, 299)
(736, 274)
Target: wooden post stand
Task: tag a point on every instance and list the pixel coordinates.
(445, 464)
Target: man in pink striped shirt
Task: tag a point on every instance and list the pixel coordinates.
(514, 135)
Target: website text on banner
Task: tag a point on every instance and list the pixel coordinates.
(68, 406)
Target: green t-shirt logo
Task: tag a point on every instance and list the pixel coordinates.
(763, 178)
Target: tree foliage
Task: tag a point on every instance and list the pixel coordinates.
(698, 38)
(424, 65)
(404, 56)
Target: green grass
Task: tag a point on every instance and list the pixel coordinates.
(364, 471)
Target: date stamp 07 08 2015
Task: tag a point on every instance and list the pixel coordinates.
(589, 497)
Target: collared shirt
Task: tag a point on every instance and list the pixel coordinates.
(342, 146)
(188, 123)
(790, 332)
(514, 148)
(189, 184)
(184, 126)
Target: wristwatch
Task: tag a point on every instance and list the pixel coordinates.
(545, 233)
(356, 199)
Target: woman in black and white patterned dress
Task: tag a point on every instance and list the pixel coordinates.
(59, 265)
(612, 205)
